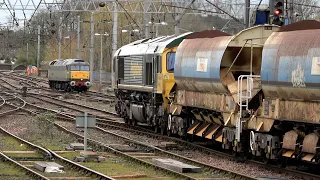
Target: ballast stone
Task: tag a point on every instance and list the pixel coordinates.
(176, 165)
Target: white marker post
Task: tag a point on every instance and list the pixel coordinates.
(85, 121)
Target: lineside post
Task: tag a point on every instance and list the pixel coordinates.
(85, 130)
(92, 48)
(78, 42)
(38, 54)
(60, 37)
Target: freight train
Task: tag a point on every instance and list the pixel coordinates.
(69, 75)
(257, 92)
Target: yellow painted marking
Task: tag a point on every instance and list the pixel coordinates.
(219, 139)
(174, 110)
(288, 154)
(202, 130)
(209, 136)
(194, 127)
(19, 152)
(259, 126)
(229, 118)
(80, 74)
(308, 157)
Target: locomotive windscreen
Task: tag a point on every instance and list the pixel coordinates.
(170, 61)
(79, 68)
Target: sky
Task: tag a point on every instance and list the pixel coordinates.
(19, 14)
(4, 13)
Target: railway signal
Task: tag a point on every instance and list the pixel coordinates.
(278, 12)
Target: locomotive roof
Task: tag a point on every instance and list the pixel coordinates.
(150, 46)
(65, 62)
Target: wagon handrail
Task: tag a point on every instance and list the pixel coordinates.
(236, 58)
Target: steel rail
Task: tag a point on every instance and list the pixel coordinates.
(178, 156)
(152, 147)
(80, 167)
(180, 141)
(42, 150)
(16, 107)
(211, 151)
(203, 149)
(106, 147)
(70, 103)
(30, 171)
(49, 154)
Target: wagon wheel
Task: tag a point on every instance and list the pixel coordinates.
(133, 122)
(266, 158)
(169, 125)
(156, 129)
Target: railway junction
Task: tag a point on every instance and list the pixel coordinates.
(40, 140)
(159, 89)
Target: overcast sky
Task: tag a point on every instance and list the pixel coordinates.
(4, 13)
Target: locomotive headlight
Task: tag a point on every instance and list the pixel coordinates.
(72, 83)
(87, 83)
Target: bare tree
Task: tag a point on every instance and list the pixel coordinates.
(305, 9)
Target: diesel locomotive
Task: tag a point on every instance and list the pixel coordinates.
(256, 92)
(69, 75)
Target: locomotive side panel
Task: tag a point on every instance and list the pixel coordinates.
(58, 73)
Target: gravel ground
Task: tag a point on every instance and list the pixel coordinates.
(99, 105)
(243, 168)
(47, 105)
(31, 129)
(5, 108)
(41, 132)
(103, 137)
(231, 165)
(94, 112)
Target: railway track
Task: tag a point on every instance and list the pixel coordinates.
(121, 126)
(74, 106)
(25, 159)
(34, 83)
(10, 149)
(144, 154)
(107, 148)
(115, 125)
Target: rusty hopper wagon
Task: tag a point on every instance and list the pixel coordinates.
(256, 92)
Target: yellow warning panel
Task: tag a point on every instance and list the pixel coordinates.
(209, 135)
(193, 127)
(203, 129)
(79, 74)
(288, 154)
(219, 139)
(308, 157)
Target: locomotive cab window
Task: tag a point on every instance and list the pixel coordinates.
(78, 68)
(171, 56)
(84, 68)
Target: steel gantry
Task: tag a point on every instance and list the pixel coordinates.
(147, 7)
